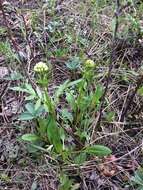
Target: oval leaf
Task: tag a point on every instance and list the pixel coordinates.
(54, 134)
(98, 150)
(30, 137)
(26, 116)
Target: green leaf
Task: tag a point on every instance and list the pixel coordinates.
(26, 116)
(98, 150)
(83, 135)
(31, 97)
(30, 137)
(35, 147)
(97, 95)
(61, 90)
(74, 63)
(32, 149)
(75, 82)
(140, 91)
(19, 89)
(39, 93)
(62, 136)
(71, 100)
(138, 178)
(39, 111)
(53, 134)
(65, 182)
(110, 116)
(67, 115)
(38, 104)
(30, 89)
(42, 129)
(84, 102)
(25, 88)
(30, 108)
(14, 76)
(81, 158)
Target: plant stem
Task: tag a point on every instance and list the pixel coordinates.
(49, 104)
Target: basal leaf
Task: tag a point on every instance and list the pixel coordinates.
(60, 90)
(42, 129)
(26, 116)
(67, 115)
(81, 158)
(39, 111)
(71, 100)
(53, 134)
(30, 89)
(98, 150)
(39, 93)
(31, 97)
(30, 137)
(74, 83)
(18, 89)
(30, 108)
(38, 104)
(74, 63)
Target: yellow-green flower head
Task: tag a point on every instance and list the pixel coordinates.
(41, 67)
(89, 63)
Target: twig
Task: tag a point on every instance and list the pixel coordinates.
(20, 54)
(27, 39)
(25, 172)
(116, 133)
(87, 165)
(16, 47)
(123, 156)
(131, 98)
(112, 61)
(124, 102)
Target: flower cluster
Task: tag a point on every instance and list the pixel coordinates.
(89, 63)
(41, 67)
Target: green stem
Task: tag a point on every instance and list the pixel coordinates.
(49, 104)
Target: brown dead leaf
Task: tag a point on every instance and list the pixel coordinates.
(107, 170)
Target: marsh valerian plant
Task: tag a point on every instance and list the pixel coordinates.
(66, 131)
